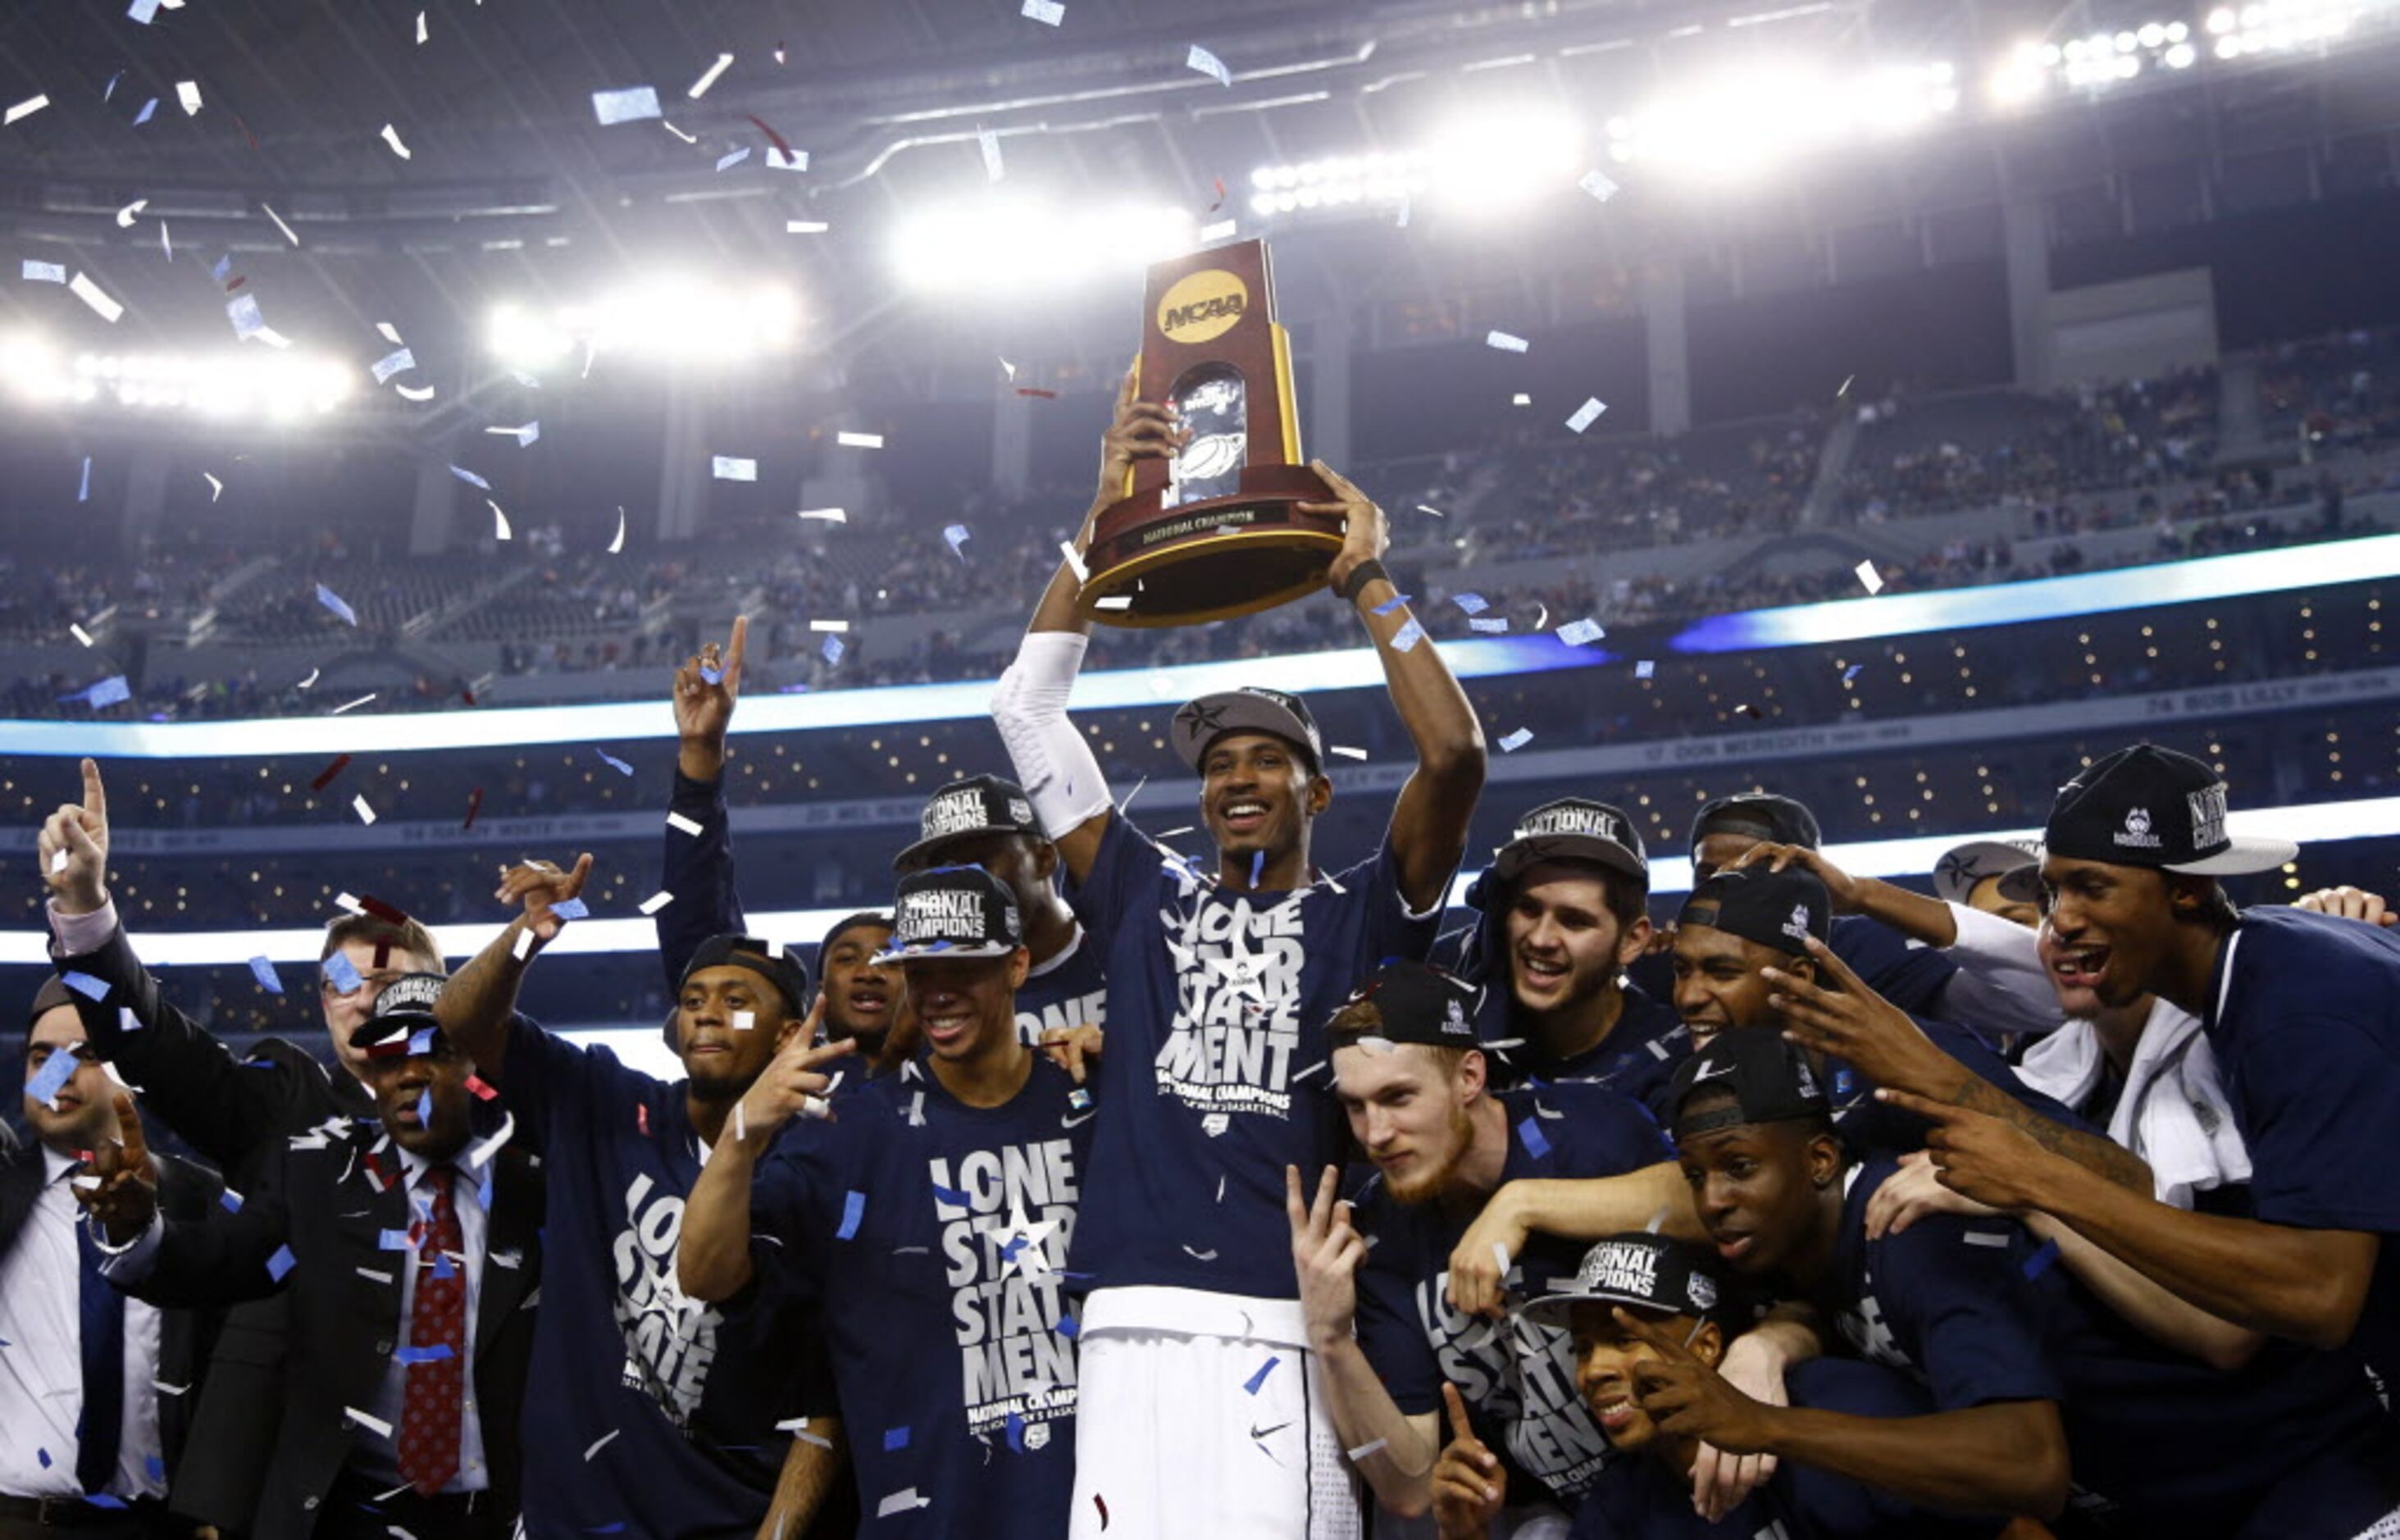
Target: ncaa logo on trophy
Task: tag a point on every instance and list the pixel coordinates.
(1216, 531)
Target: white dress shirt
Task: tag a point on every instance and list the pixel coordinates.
(41, 1368)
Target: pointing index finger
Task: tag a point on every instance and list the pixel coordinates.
(1909, 1101)
(95, 796)
(734, 646)
(1459, 1427)
(136, 1148)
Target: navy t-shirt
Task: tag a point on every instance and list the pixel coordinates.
(1638, 1057)
(2307, 1034)
(1516, 1377)
(1072, 990)
(691, 1393)
(933, 1234)
(1216, 1074)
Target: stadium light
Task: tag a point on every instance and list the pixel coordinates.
(2279, 26)
(1494, 160)
(1339, 181)
(283, 386)
(990, 241)
(1736, 125)
(666, 319)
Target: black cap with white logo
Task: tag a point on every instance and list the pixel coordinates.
(1573, 829)
(1778, 909)
(1639, 1271)
(1758, 815)
(2147, 805)
(952, 911)
(1963, 867)
(1770, 1079)
(404, 1009)
(1252, 708)
(965, 809)
(1418, 1002)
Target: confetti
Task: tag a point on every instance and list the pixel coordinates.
(2038, 1263)
(83, 488)
(830, 515)
(438, 1352)
(474, 805)
(894, 1438)
(1048, 12)
(1345, 751)
(392, 363)
(1581, 633)
(613, 762)
(1851, 673)
(1869, 576)
(731, 158)
(901, 1502)
(1644, 669)
(700, 86)
(805, 226)
(1365, 1450)
(342, 972)
(958, 535)
(1407, 636)
(26, 108)
(144, 115)
(420, 29)
(1255, 1381)
(415, 393)
(391, 137)
(1429, 508)
(189, 93)
(51, 1078)
(602, 1442)
(785, 159)
(1395, 602)
(124, 215)
(325, 777)
(84, 984)
(365, 1420)
(1530, 1134)
(1473, 604)
(628, 105)
(1588, 413)
(1506, 342)
(284, 1261)
(1493, 624)
(143, 11)
(44, 272)
(90, 292)
(1598, 184)
(332, 601)
(832, 649)
(359, 805)
(853, 1208)
(993, 167)
(280, 225)
(859, 440)
(618, 544)
(1208, 64)
(1516, 740)
(681, 825)
(726, 468)
(655, 902)
(1520, 399)
(470, 478)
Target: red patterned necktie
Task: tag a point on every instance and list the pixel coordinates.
(429, 1413)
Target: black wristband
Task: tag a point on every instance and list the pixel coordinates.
(1360, 576)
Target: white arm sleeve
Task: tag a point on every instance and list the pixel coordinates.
(2000, 986)
(1053, 762)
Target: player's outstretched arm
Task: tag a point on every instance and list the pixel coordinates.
(1429, 819)
(480, 1000)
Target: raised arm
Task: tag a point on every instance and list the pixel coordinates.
(713, 1250)
(480, 1002)
(1429, 820)
(1053, 762)
(224, 1109)
(698, 867)
(220, 1260)
(1572, 1208)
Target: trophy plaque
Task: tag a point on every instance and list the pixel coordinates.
(1218, 530)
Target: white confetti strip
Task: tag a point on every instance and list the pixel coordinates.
(1365, 1450)
(1581, 633)
(628, 105)
(26, 108)
(280, 225)
(901, 1502)
(1429, 508)
(390, 333)
(1506, 342)
(830, 515)
(367, 1420)
(415, 393)
(420, 29)
(90, 292)
(499, 522)
(44, 272)
(1114, 601)
(359, 805)
(1520, 399)
(687, 138)
(830, 625)
(728, 468)
(1048, 12)
(1599, 185)
(391, 137)
(522, 948)
(618, 544)
(602, 1442)
(1516, 740)
(805, 226)
(1208, 64)
(1074, 561)
(1588, 413)
(189, 93)
(681, 825)
(700, 86)
(859, 440)
(124, 215)
(744, 1020)
(994, 168)
(84, 637)
(1345, 751)
(1870, 576)
(655, 902)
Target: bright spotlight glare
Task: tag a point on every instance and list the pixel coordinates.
(976, 243)
(669, 318)
(1735, 126)
(282, 386)
(1499, 159)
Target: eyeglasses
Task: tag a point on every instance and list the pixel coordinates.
(372, 984)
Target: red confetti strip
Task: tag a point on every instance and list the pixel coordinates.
(238, 279)
(383, 954)
(382, 911)
(325, 777)
(1037, 390)
(642, 1117)
(772, 137)
(474, 805)
(1212, 209)
(481, 1087)
(1101, 1503)
(467, 694)
(245, 130)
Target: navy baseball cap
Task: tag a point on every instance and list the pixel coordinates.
(771, 960)
(1778, 909)
(953, 911)
(1639, 1271)
(1770, 1079)
(1573, 829)
(1418, 1002)
(1759, 816)
(2147, 806)
(404, 1009)
(965, 809)
(1252, 708)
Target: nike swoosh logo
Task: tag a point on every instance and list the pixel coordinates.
(1260, 1433)
(1071, 1122)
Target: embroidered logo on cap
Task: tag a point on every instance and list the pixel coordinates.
(1703, 1292)
(1021, 811)
(953, 812)
(2136, 832)
(1797, 926)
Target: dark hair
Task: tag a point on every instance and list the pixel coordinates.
(406, 935)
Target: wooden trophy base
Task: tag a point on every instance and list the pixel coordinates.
(1214, 559)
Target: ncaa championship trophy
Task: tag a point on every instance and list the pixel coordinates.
(1218, 530)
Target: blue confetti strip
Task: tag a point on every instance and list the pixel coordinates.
(2038, 1263)
(1255, 1381)
(1528, 1133)
(613, 762)
(570, 908)
(1851, 673)
(1395, 602)
(284, 1261)
(833, 649)
(853, 1208)
(1473, 604)
(85, 985)
(420, 1042)
(425, 1107)
(342, 972)
(157, 1467)
(958, 535)
(1644, 669)
(1581, 633)
(470, 478)
(264, 971)
(44, 1456)
(232, 1201)
(144, 115)
(1516, 740)
(1017, 1433)
(894, 1438)
(444, 1268)
(333, 602)
(438, 1352)
(55, 1073)
(83, 492)
(712, 676)
(1407, 636)
(952, 1197)
(103, 1500)
(395, 1240)
(1069, 1327)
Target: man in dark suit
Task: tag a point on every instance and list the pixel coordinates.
(408, 1248)
(234, 1113)
(94, 1390)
